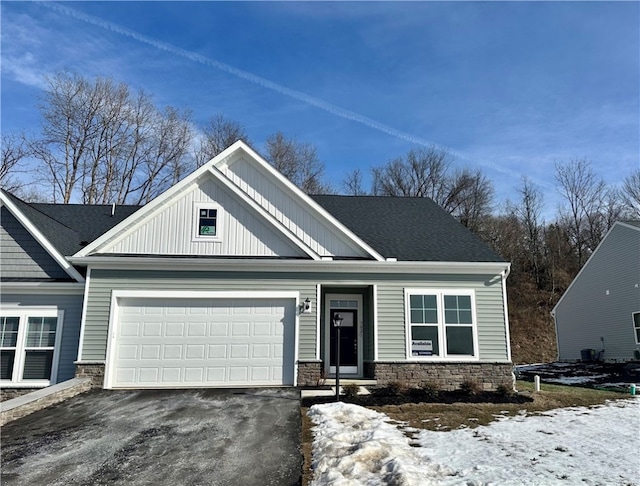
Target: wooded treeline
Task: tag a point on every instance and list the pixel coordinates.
(103, 143)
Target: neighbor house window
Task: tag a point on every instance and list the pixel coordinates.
(28, 346)
(206, 221)
(441, 324)
(636, 326)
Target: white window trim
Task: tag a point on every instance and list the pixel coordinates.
(18, 366)
(197, 206)
(633, 323)
(440, 293)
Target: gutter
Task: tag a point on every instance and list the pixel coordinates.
(340, 266)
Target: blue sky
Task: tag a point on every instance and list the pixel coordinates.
(507, 87)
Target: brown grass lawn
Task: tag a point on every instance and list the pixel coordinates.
(448, 416)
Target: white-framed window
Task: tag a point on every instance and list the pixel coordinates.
(636, 326)
(207, 218)
(441, 324)
(29, 346)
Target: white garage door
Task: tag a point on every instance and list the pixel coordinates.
(162, 343)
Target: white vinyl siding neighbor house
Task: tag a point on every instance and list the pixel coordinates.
(598, 312)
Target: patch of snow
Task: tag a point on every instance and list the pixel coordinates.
(575, 380)
(357, 446)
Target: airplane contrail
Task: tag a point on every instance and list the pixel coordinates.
(260, 81)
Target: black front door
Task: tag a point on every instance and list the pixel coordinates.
(348, 340)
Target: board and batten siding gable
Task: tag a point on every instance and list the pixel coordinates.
(72, 307)
(601, 300)
(241, 231)
(22, 255)
(492, 333)
(490, 313)
(291, 211)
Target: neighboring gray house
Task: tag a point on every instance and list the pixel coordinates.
(235, 277)
(601, 308)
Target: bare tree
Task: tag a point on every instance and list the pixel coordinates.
(14, 151)
(168, 146)
(528, 212)
(585, 194)
(352, 184)
(631, 194)
(102, 144)
(218, 134)
(299, 162)
(466, 194)
(68, 109)
(420, 173)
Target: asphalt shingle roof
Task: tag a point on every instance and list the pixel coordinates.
(409, 229)
(69, 227)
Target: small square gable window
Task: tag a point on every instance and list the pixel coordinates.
(208, 222)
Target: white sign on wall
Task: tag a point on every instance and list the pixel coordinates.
(421, 347)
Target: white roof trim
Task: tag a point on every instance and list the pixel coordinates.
(292, 188)
(604, 238)
(291, 265)
(40, 238)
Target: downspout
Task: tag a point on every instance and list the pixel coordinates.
(504, 274)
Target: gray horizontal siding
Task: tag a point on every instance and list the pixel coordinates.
(102, 282)
(492, 338)
(22, 255)
(601, 300)
(391, 321)
(72, 307)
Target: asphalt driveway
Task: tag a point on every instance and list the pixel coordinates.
(175, 437)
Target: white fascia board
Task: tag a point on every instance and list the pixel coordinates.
(40, 238)
(144, 212)
(40, 288)
(277, 265)
(602, 242)
(215, 172)
(295, 190)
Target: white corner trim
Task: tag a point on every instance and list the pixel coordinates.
(295, 190)
(83, 317)
(318, 303)
(296, 339)
(375, 322)
(40, 238)
(505, 309)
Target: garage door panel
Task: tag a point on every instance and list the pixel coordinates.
(191, 342)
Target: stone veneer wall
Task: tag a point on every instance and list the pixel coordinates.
(310, 373)
(95, 371)
(9, 393)
(446, 376)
